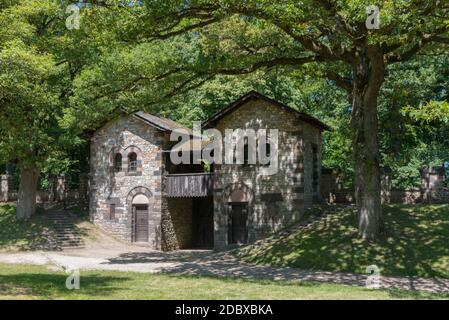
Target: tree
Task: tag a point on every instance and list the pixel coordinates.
(39, 58)
(329, 38)
(28, 101)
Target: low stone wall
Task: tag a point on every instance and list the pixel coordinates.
(58, 191)
(402, 196)
(432, 189)
(396, 196)
(45, 196)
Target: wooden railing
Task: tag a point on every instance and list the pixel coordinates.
(189, 185)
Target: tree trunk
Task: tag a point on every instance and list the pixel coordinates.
(26, 198)
(368, 72)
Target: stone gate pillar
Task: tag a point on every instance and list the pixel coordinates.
(385, 185)
(4, 187)
(83, 187)
(52, 181)
(61, 188)
(432, 182)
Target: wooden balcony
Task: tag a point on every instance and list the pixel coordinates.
(189, 185)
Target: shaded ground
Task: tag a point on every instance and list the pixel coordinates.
(41, 232)
(415, 244)
(37, 282)
(36, 233)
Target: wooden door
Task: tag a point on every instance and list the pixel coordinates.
(141, 223)
(238, 224)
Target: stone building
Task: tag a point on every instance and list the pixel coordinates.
(138, 194)
(249, 204)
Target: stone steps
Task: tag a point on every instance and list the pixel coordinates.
(66, 236)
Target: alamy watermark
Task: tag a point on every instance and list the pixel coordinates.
(73, 280)
(238, 146)
(72, 22)
(373, 280)
(74, 11)
(372, 22)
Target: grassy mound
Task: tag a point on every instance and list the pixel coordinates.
(416, 244)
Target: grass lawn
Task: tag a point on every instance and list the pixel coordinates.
(416, 243)
(37, 282)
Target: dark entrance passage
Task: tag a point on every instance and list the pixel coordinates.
(190, 205)
(192, 222)
(237, 228)
(203, 223)
(140, 222)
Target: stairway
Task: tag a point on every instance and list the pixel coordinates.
(66, 234)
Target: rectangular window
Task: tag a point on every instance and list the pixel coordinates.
(112, 211)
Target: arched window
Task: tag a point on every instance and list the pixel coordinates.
(132, 162)
(118, 162)
(246, 153)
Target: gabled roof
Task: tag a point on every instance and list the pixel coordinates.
(160, 123)
(257, 96)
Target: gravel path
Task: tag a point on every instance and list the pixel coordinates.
(222, 264)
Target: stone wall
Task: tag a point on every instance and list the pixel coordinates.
(125, 135)
(273, 200)
(432, 189)
(180, 210)
(58, 192)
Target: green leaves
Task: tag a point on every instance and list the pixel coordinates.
(433, 111)
(27, 101)
(32, 81)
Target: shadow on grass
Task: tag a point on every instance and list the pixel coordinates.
(393, 293)
(418, 295)
(35, 282)
(49, 286)
(159, 257)
(36, 233)
(416, 244)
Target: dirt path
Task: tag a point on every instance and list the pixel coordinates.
(140, 259)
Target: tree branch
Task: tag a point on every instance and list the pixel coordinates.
(191, 27)
(268, 64)
(340, 81)
(408, 54)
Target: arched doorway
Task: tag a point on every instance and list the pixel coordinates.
(140, 205)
